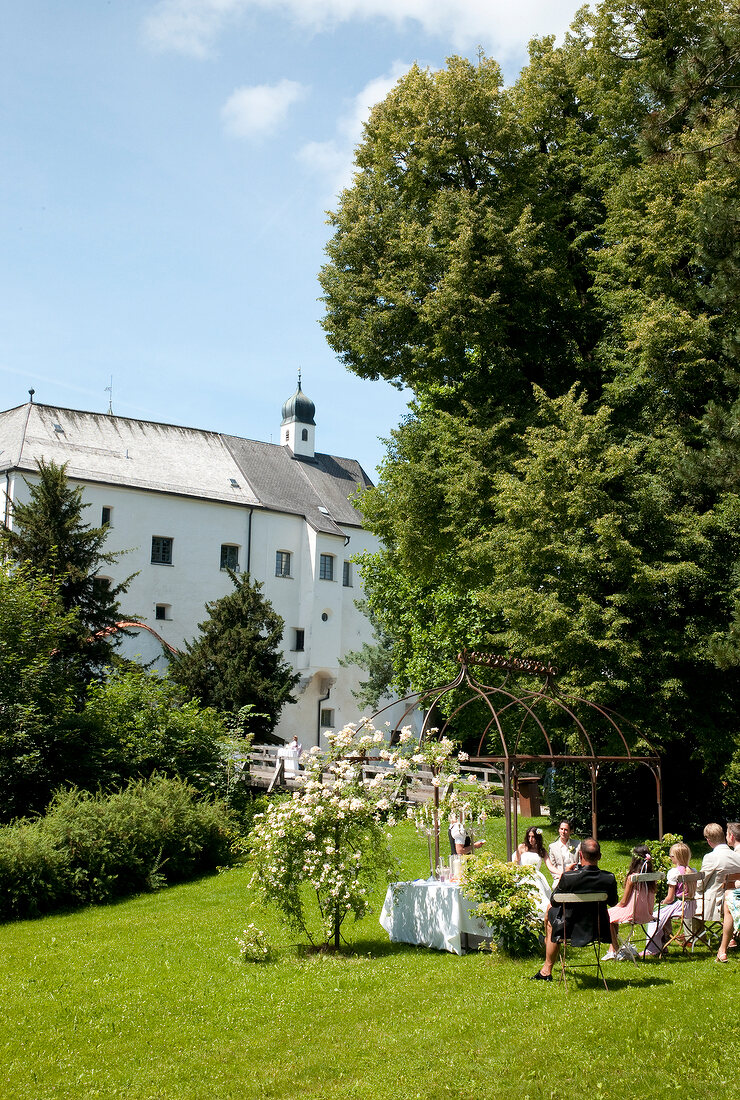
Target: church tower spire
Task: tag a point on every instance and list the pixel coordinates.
(298, 427)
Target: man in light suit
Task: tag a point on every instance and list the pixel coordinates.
(723, 858)
(563, 854)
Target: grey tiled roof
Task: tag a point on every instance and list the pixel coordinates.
(319, 488)
(165, 458)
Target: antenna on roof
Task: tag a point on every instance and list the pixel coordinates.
(109, 390)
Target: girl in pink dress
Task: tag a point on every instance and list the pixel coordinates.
(636, 905)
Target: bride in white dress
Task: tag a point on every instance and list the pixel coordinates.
(532, 853)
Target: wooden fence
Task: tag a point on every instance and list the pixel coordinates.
(268, 767)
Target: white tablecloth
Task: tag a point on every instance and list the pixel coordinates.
(430, 913)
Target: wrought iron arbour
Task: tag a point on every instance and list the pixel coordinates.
(526, 709)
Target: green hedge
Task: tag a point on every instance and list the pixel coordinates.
(91, 848)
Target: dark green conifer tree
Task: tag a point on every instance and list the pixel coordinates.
(236, 660)
(49, 534)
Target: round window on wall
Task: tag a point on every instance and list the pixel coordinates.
(325, 616)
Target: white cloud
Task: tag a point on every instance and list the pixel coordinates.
(502, 26)
(259, 109)
(188, 26)
(333, 159)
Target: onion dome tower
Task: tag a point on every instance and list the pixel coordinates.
(298, 427)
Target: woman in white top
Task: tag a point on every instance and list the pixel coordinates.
(532, 854)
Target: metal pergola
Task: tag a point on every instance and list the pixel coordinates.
(538, 715)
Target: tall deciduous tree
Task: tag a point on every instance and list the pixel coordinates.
(553, 269)
(236, 660)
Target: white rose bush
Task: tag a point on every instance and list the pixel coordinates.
(316, 855)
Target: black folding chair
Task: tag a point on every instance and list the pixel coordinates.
(568, 900)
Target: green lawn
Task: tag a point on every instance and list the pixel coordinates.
(148, 998)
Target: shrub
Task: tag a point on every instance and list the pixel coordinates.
(91, 848)
(253, 945)
(625, 796)
(140, 724)
(316, 855)
(35, 874)
(505, 896)
(659, 850)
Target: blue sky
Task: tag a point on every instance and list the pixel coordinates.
(167, 165)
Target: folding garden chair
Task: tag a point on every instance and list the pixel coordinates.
(568, 901)
(686, 935)
(707, 930)
(641, 883)
(731, 882)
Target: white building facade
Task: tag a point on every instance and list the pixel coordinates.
(183, 504)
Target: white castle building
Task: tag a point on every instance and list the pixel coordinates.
(184, 504)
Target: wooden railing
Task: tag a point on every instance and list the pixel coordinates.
(263, 767)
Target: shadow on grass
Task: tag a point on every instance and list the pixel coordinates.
(591, 981)
(384, 948)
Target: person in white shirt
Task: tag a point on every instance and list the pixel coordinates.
(716, 864)
(461, 839)
(563, 853)
(731, 925)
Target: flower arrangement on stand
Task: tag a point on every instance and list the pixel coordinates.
(316, 854)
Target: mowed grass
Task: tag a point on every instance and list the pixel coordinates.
(148, 998)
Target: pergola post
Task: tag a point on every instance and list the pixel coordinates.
(659, 786)
(507, 809)
(594, 817)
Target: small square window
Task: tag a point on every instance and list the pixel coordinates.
(230, 557)
(106, 516)
(327, 717)
(160, 611)
(347, 574)
(101, 586)
(282, 563)
(326, 567)
(299, 638)
(161, 550)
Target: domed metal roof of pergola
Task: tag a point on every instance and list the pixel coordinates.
(521, 726)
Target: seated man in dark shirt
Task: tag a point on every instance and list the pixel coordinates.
(588, 878)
